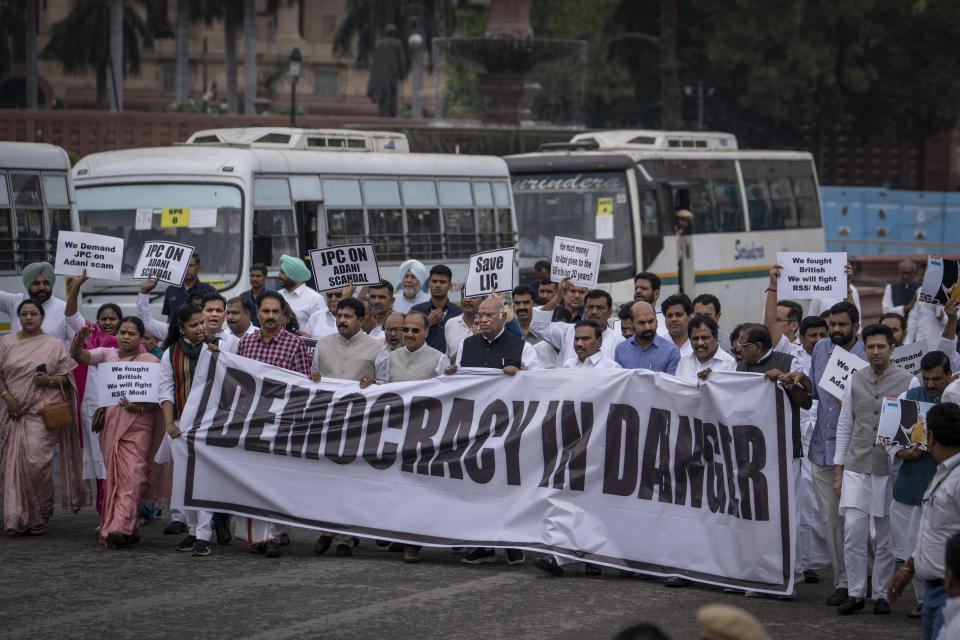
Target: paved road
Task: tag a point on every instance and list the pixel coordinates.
(64, 585)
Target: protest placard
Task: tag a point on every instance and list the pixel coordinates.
(940, 281)
(907, 356)
(838, 370)
(336, 267)
(166, 261)
(135, 381)
(100, 255)
(903, 423)
(577, 259)
(489, 271)
(811, 275)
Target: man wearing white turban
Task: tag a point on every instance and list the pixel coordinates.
(412, 276)
(38, 278)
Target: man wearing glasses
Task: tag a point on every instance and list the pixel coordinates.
(416, 360)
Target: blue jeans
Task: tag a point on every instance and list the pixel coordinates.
(933, 600)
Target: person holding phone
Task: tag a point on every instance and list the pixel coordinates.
(34, 371)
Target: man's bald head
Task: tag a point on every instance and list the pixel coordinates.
(491, 317)
(907, 270)
(644, 322)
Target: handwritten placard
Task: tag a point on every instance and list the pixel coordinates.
(489, 271)
(336, 267)
(135, 381)
(812, 275)
(837, 373)
(166, 261)
(578, 260)
(101, 256)
(908, 356)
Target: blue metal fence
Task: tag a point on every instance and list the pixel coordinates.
(867, 220)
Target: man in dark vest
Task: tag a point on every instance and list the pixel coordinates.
(494, 348)
(917, 468)
(901, 296)
(862, 470)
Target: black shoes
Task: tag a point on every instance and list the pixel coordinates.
(222, 530)
(515, 557)
(344, 551)
(592, 569)
(676, 582)
(271, 549)
(479, 556)
(187, 544)
(810, 577)
(549, 565)
(175, 528)
(839, 597)
(852, 605)
(881, 607)
(201, 548)
(322, 544)
(117, 539)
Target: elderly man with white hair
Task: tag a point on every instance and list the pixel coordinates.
(413, 275)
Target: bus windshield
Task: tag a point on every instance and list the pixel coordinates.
(209, 220)
(586, 205)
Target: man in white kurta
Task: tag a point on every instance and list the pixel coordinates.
(862, 470)
(706, 356)
(598, 306)
(39, 278)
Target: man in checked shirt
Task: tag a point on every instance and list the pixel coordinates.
(273, 345)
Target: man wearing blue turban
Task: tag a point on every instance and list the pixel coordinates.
(38, 280)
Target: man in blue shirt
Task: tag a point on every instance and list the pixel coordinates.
(647, 350)
(843, 324)
(175, 297)
(439, 309)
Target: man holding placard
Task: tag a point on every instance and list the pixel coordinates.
(39, 278)
(862, 471)
(598, 306)
(843, 323)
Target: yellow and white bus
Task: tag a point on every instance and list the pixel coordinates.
(286, 191)
(36, 202)
(621, 188)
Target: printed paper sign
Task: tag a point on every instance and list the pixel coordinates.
(100, 255)
(203, 218)
(144, 219)
(336, 267)
(577, 259)
(812, 275)
(908, 356)
(940, 281)
(135, 381)
(179, 217)
(489, 271)
(903, 423)
(166, 261)
(604, 219)
(837, 372)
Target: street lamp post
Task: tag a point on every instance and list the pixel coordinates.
(295, 60)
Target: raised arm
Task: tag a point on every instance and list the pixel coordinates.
(770, 307)
(153, 327)
(77, 352)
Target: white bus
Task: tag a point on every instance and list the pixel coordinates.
(36, 203)
(286, 191)
(747, 206)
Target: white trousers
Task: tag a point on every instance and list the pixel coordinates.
(905, 523)
(177, 515)
(255, 531)
(829, 505)
(199, 523)
(856, 542)
(812, 551)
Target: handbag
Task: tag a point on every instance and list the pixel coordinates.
(56, 414)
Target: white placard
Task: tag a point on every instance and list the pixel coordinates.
(811, 275)
(908, 356)
(135, 381)
(836, 374)
(336, 267)
(577, 259)
(903, 423)
(489, 271)
(167, 261)
(203, 217)
(101, 256)
(144, 219)
(939, 281)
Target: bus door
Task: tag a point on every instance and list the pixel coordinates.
(308, 210)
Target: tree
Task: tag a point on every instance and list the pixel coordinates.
(182, 53)
(31, 54)
(77, 42)
(116, 54)
(249, 56)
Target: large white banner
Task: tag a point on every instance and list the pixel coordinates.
(634, 470)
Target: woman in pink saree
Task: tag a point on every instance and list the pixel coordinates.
(34, 367)
(129, 440)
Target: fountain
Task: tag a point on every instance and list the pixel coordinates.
(508, 55)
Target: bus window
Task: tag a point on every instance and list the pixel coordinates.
(7, 256)
(781, 199)
(805, 193)
(486, 216)
(459, 230)
(501, 198)
(385, 219)
(26, 189)
(780, 194)
(423, 218)
(758, 204)
(713, 192)
(274, 234)
(345, 226)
